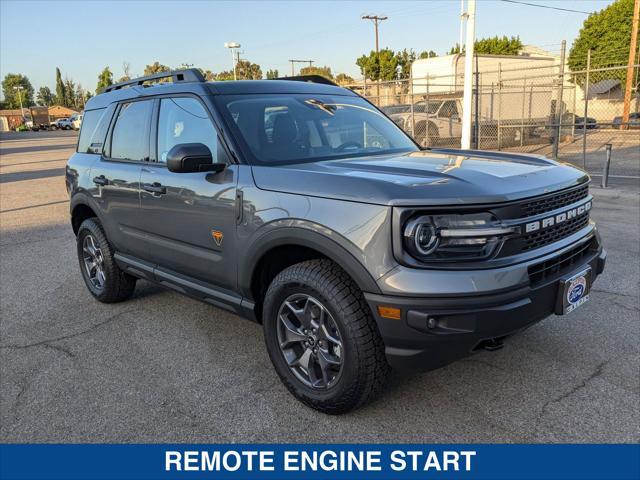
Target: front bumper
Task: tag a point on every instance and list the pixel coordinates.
(435, 331)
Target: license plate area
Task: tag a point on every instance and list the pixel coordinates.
(573, 292)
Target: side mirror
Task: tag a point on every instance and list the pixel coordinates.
(192, 157)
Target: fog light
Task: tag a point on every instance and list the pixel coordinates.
(431, 322)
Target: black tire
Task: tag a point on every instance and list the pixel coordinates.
(364, 368)
(117, 285)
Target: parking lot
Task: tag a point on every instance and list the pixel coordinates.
(165, 368)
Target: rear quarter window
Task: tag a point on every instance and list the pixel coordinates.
(93, 130)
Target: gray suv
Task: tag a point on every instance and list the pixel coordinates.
(301, 206)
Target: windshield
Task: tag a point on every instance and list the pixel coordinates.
(424, 107)
(276, 129)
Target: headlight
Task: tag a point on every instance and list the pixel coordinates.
(447, 238)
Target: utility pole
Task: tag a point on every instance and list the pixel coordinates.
(376, 19)
(558, 116)
(467, 98)
(293, 62)
(463, 17)
(19, 88)
(632, 57)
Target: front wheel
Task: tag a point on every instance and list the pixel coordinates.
(102, 276)
(322, 338)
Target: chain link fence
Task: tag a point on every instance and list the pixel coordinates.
(567, 115)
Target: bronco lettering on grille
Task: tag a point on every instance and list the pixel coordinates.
(557, 219)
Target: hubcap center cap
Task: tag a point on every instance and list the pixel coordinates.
(312, 340)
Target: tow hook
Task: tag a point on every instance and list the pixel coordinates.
(493, 344)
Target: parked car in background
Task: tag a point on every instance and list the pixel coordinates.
(64, 124)
(76, 121)
(634, 121)
(571, 119)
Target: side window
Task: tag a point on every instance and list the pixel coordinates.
(130, 140)
(449, 110)
(88, 128)
(184, 120)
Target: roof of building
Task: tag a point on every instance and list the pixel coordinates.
(603, 86)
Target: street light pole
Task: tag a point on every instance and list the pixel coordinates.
(233, 46)
(468, 75)
(19, 88)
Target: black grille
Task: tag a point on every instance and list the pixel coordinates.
(547, 204)
(553, 234)
(551, 268)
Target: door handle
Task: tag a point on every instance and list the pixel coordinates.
(154, 187)
(101, 180)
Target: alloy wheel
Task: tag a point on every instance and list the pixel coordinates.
(310, 341)
(93, 262)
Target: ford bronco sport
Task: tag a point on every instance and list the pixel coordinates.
(299, 205)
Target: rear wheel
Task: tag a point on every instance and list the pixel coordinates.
(322, 339)
(102, 276)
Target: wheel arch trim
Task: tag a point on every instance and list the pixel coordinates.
(302, 237)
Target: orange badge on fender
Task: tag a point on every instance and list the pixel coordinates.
(217, 237)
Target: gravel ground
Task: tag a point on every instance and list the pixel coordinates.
(164, 368)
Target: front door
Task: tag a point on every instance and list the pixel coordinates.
(116, 176)
(189, 219)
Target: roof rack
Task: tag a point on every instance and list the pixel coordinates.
(309, 78)
(187, 75)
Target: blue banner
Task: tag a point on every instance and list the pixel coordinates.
(326, 462)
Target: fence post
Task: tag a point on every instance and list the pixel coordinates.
(573, 123)
(586, 110)
(499, 105)
(427, 140)
(524, 97)
(413, 118)
(607, 165)
(558, 119)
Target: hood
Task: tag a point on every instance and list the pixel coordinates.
(433, 177)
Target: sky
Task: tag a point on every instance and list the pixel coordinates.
(82, 37)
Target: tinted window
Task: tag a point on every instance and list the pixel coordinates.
(286, 128)
(130, 139)
(184, 120)
(88, 129)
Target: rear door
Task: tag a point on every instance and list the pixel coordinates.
(116, 176)
(189, 219)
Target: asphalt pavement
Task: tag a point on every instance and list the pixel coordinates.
(165, 368)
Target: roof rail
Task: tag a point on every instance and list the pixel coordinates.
(186, 75)
(309, 78)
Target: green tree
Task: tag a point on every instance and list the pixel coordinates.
(81, 97)
(246, 70)
(61, 93)
(343, 78)
(104, 80)
(322, 71)
(493, 46)
(405, 59)
(271, 74)
(607, 34)
(209, 76)
(427, 54)
(224, 76)
(44, 97)
(70, 91)
(155, 67)
(13, 95)
(379, 67)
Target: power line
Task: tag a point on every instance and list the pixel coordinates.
(547, 6)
